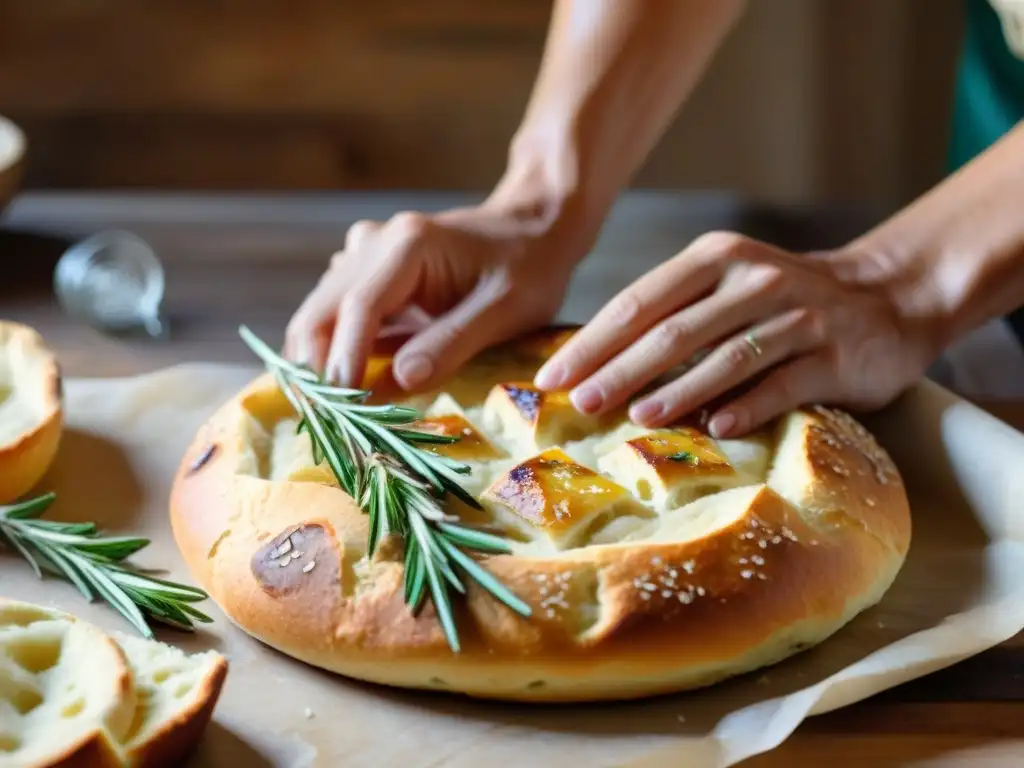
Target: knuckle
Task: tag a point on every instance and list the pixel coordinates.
(737, 354)
(625, 308)
(409, 226)
(721, 244)
(670, 335)
(338, 257)
(767, 279)
(810, 324)
(357, 236)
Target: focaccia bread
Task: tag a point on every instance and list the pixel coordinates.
(654, 560)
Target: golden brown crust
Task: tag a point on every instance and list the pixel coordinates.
(30, 425)
(179, 737)
(769, 569)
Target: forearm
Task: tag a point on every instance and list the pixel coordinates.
(955, 257)
(613, 75)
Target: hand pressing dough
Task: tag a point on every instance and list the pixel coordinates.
(31, 413)
(654, 560)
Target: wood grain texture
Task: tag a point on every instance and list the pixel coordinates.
(806, 99)
(252, 260)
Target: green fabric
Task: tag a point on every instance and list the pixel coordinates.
(989, 97)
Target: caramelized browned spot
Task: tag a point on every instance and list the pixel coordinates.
(552, 491)
(526, 399)
(302, 557)
(681, 450)
(203, 458)
(470, 444)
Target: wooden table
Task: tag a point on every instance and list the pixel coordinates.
(252, 260)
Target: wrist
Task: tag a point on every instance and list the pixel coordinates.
(909, 281)
(544, 189)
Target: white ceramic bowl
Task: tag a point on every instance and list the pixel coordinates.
(12, 157)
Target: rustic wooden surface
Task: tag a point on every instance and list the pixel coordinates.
(346, 94)
(252, 260)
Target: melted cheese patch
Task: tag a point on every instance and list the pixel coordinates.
(552, 493)
(670, 467)
(529, 419)
(470, 445)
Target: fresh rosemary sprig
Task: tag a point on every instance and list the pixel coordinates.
(374, 452)
(97, 565)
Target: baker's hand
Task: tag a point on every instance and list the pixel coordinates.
(480, 274)
(796, 329)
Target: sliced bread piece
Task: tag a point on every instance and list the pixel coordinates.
(177, 693)
(74, 695)
(66, 690)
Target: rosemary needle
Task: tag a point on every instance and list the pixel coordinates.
(375, 454)
(97, 566)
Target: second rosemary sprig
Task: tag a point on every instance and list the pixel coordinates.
(98, 566)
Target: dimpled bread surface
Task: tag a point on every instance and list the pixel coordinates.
(654, 560)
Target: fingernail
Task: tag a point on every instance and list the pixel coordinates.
(586, 399)
(646, 411)
(413, 370)
(722, 425)
(550, 377)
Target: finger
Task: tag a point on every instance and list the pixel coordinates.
(730, 364)
(307, 335)
(360, 234)
(387, 286)
(673, 341)
(674, 284)
(485, 317)
(409, 320)
(805, 380)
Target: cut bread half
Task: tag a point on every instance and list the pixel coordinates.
(31, 412)
(65, 689)
(176, 695)
(73, 695)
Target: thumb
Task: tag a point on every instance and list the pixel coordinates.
(484, 317)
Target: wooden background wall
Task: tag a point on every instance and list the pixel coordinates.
(809, 99)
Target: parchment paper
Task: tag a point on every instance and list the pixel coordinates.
(959, 593)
